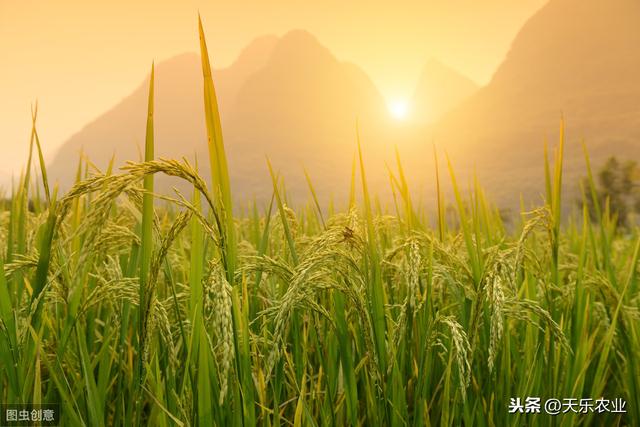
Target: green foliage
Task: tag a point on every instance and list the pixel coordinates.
(618, 186)
(130, 312)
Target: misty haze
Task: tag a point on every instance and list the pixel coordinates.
(320, 213)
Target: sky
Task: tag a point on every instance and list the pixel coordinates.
(78, 58)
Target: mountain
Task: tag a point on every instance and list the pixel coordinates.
(301, 109)
(253, 57)
(439, 89)
(179, 116)
(573, 58)
(287, 97)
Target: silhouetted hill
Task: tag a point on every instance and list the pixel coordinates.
(287, 97)
(577, 58)
(179, 117)
(252, 58)
(439, 89)
(301, 109)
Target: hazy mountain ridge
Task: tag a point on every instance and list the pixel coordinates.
(438, 90)
(300, 109)
(286, 97)
(289, 98)
(584, 72)
(179, 116)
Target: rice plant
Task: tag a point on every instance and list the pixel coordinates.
(128, 307)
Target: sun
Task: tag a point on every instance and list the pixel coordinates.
(399, 109)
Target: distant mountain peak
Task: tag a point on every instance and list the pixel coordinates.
(300, 37)
(256, 52)
(439, 89)
(287, 97)
(300, 46)
(435, 68)
(433, 63)
(576, 58)
(568, 40)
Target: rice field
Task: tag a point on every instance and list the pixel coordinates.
(127, 307)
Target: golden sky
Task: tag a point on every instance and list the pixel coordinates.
(80, 57)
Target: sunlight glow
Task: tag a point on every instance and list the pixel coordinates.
(399, 109)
